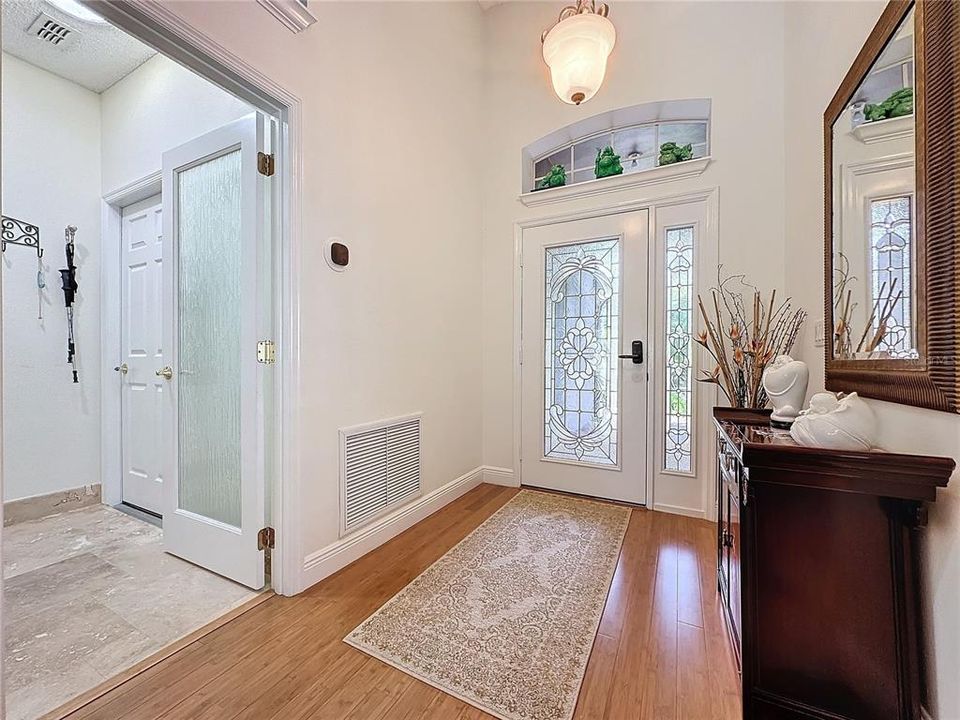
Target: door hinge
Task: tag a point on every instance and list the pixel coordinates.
(266, 538)
(266, 352)
(265, 164)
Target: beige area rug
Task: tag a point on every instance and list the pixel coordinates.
(506, 619)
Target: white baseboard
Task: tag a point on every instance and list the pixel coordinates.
(499, 476)
(326, 561)
(679, 510)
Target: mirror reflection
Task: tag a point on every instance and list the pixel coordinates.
(874, 211)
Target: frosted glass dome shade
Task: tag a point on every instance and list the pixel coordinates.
(576, 51)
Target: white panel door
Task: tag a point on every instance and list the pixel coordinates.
(583, 408)
(214, 222)
(141, 402)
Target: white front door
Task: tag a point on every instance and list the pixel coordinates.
(583, 408)
(214, 223)
(141, 337)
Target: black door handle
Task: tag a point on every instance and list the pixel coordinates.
(637, 355)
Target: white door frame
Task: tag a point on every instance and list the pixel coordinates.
(159, 27)
(652, 347)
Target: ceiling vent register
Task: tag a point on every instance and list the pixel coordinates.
(52, 31)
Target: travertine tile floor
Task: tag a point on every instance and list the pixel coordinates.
(90, 592)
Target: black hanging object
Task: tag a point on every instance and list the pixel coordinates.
(68, 278)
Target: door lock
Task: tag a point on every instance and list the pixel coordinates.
(166, 373)
(637, 352)
(122, 368)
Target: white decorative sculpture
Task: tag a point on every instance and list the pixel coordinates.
(845, 423)
(785, 381)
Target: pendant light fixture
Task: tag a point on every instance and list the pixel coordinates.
(576, 50)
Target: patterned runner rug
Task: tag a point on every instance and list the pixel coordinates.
(507, 618)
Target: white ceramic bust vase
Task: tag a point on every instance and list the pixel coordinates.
(785, 381)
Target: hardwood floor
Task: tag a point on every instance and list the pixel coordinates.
(661, 651)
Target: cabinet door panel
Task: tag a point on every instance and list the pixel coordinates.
(723, 522)
(734, 560)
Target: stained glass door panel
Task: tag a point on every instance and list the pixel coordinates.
(679, 287)
(583, 407)
(582, 332)
(891, 269)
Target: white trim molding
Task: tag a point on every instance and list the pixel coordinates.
(326, 561)
(655, 176)
(680, 510)
(893, 129)
(135, 191)
(292, 13)
(500, 476)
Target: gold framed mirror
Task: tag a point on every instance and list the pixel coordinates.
(892, 212)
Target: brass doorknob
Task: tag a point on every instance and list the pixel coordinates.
(166, 373)
(122, 368)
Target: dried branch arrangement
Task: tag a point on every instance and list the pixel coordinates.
(875, 329)
(843, 307)
(742, 342)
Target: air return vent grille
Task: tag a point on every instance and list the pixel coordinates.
(52, 31)
(379, 469)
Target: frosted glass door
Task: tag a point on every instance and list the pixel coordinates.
(208, 228)
(214, 504)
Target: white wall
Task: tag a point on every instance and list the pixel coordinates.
(158, 106)
(51, 178)
(391, 122)
(664, 51)
(822, 41)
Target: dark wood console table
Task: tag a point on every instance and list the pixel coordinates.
(817, 570)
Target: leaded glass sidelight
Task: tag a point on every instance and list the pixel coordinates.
(678, 421)
(581, 341)
(891, 230)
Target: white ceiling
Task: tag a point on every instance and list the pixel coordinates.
(96, 56)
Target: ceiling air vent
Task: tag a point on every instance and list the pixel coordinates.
(52, 31)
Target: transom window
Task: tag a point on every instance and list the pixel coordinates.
(638, 147)
(636, 135)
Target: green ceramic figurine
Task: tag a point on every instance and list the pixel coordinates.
(898, 104)
(607, 164)
(672, 153)
(557, 177)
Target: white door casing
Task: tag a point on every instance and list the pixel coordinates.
(583, 409)
(214, 219)
(141, 310)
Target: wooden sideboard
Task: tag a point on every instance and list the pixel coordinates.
(818, 573)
